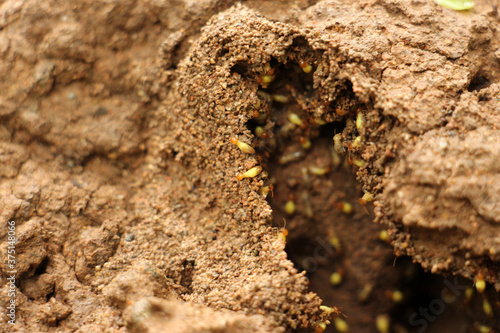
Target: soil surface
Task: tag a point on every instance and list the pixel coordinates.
(218, 166)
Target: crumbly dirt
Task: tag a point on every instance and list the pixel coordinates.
(119, 168)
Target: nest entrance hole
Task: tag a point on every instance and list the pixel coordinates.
(316, 192)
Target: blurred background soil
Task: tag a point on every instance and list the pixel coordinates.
(118, 164)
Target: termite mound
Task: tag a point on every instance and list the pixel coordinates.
(287, 92)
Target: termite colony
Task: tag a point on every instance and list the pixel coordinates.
(285, 126)
(290, 135)
(306, 161)
(303, 142)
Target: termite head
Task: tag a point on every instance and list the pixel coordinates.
(304, 142)
(480, 283)
(340, 111)
(283, 232)
(344, 207)
(305, 65)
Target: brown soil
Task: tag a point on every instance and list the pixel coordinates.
(118, 167)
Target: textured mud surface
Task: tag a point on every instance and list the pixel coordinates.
(118, 165)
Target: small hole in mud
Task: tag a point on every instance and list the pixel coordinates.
(240, 68)
(49, 296)
(479, 82)
(42, 267)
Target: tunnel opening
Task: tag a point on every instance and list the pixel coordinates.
(312, 145)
